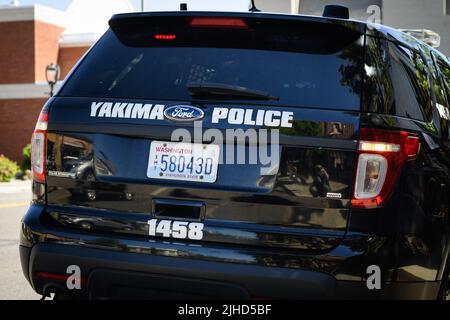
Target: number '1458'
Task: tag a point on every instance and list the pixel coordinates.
(175, 229)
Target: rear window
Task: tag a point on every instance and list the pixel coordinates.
(304, 64)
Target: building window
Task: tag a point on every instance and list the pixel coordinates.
(447, 7)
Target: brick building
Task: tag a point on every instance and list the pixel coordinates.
(31, 38)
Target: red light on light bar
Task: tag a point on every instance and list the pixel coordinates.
(217, 22)
(165, 36)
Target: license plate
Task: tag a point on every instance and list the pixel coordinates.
(183, 161)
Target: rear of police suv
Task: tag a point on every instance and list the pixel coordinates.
(215, 155)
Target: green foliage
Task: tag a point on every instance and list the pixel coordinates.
(26, 164)
(8, 169)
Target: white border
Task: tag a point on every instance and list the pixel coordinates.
(40, 90)
(33, 12)
(77, 40)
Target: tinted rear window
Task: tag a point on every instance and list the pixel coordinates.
(309, 65)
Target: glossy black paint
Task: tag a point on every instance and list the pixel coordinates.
(283, 219)
(243, 206)
(39, 227)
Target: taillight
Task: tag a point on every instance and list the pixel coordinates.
(381, 156)
(217, 22)
(38, 148)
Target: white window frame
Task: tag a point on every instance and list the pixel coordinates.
(295, 6)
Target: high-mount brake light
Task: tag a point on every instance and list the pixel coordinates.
(38, 148)
(166, 37)
(381, 156)
(218, 22)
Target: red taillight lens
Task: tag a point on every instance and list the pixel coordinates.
(38, 148)
(166, 37)
(217, 22)
(381, 156)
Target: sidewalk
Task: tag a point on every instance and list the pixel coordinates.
(15, 186)
(14, 201)
(15, 193)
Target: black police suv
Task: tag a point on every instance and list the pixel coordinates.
(354, 202)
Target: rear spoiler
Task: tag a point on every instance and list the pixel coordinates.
(118, 19)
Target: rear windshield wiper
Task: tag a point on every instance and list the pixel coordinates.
(230, 91)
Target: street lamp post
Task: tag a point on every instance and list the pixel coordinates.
(52, 74)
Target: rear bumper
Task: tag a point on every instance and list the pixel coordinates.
(121, 275)
(107, 271)
(127, 267)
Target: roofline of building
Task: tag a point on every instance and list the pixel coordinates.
(77, 40)
(17, 91)
(33, 13)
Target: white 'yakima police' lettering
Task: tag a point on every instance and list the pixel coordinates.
(250, 117)
(233, 116)
(127, 110)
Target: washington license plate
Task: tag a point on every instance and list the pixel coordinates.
(183, 161)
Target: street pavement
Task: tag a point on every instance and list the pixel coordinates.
(14, 200)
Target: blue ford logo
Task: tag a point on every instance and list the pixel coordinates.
(184, 113)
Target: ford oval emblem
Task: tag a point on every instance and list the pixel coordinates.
(184, 113)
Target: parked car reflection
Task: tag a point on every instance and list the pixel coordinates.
(73, 158)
